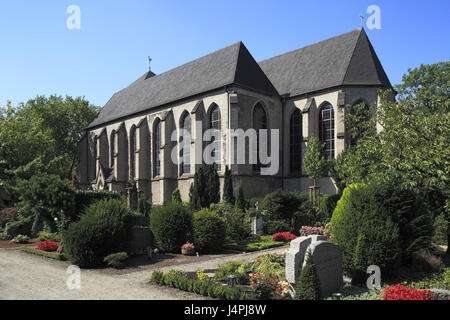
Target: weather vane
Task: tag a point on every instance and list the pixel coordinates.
(149, 61)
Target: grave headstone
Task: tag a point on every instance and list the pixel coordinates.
(326, 256)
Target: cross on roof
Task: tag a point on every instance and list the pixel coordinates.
(362, 17)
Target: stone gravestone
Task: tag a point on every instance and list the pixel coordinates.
(141, 237)
(257, 225)
(326, 256)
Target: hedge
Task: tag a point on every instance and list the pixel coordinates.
(208, 230)
(51, 255)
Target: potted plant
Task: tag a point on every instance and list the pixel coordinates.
(188, 249)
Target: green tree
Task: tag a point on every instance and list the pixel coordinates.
(42, 136)
(228, 195)
(240, 200)
(206, 187)
(176, 196)
(315, 164)
(308, 286)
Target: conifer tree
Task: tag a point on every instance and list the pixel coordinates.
(240, 200)
(228, 195)
(307, 286)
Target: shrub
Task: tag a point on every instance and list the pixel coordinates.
(440, 227)
(103, 228)
(85, 198)
(235, 268)
(206, 187)
(327, 206)
(20, 239)
(45, 235)
(263, 285)
(275, 226)
(202, 276)
(144, 206)
(308, 230)
(8, 215)
(22, 226)
(239, 201)
(176, 196)
(51, 255)
(283, 236)
(237, 223)
(46, 197)
(270, 264)
(208, 231)
(171, 226)
(281, 205)
(116, 260)
(48, 246)
(228, 195)
(400, 292)
(307, 286)
(379, 224)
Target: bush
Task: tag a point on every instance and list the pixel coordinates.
(116, 260)
(272, 265)
(103, 228)
(22, 226)
(45, 235)
(171, 226)
(307, 286)
(263, 285)
(327, 206)
(440, 227)
(208, 231)
(8, 215)
(236, 268)
(275, 226)
(48, 246)
(144, 206)
(178, 280)
(206, 187)
(176, 196)
(51, 255)
(283, 236)
(237, 223)
(239, 201)
(281, 205)
(379, 224)
(308, 231)
(20, 239)
(46, 197)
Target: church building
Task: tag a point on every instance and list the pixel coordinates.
(300, 93)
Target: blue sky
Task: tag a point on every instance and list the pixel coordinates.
(40, 55)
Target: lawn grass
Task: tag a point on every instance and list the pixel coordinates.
(51, 255)
(253, 244)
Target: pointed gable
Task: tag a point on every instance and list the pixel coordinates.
(345, 59)
(364, 67)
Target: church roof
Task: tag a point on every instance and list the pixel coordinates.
(347, 59)
(231, 65)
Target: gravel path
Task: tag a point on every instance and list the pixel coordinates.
(25, 276)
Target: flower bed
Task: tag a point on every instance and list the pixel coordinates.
(283, 236)
(400, 292)
(48, 246)
(308, 231)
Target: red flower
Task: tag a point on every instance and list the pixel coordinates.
(400, 292)
(283, 236)
(47, 246)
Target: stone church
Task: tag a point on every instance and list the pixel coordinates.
(299, 92)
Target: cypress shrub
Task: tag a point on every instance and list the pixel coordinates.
(176, 196)
(171, 226)
(144, 206)
(104, 228)
(206, 187)
(240, 200)
(307, 286)
(208, 230)
(228, 195)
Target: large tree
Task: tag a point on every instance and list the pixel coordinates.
(41, 135)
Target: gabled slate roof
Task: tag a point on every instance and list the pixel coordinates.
(347, 59)
(230, 65)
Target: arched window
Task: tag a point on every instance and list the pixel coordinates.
(326, 130)
(133, 149)
(215, 123)
(295, 146)
(185, 153)
(157, 148)
(259, 122)
(112, 148)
